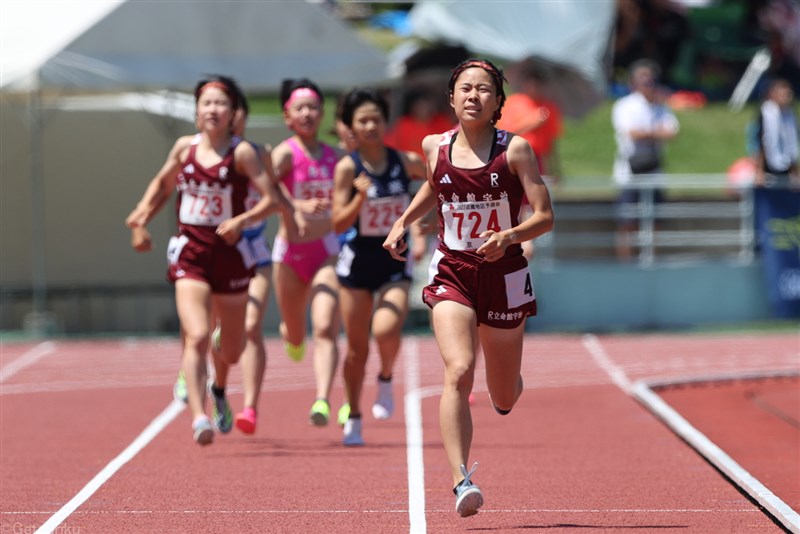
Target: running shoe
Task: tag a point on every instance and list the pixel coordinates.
(471, 399)
(221, 413)
(344, 414)
(203, 431)
(296, 353)
(320, 412)
(216, 338)
(469, 497)
(179, 391)
(246, 420)
(352, 433)
(384, 404)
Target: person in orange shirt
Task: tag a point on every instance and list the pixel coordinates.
(421, 118)
(529, 114)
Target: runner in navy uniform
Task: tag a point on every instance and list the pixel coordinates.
(481, 287)
(370, 191)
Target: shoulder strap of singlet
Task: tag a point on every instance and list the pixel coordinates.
(491, 152)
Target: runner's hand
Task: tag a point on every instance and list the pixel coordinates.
(495, 246)
(395, 243)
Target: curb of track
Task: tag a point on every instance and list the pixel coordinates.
(643, 391)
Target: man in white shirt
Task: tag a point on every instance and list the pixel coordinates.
(778, 140)
(642, 123)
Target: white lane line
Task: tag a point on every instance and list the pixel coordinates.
(771, 502)
(614, 371)
(414, 443)
(29, 358)
(153, 429)
(448, 511)
(697, 440)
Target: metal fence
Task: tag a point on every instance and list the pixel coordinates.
(700, 218)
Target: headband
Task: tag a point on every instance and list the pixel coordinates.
(219, 85)
(300, 92)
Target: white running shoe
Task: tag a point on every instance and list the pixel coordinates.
(469, 497)
(352, 433)
(203, 431)
(384, 404)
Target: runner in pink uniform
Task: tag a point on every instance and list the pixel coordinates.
(303, 272)
(208, 260)
(481, 289)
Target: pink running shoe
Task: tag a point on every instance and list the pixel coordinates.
(471, 399)
(246, 421)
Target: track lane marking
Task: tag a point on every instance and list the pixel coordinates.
(27, 359)
(148, 434)
(414, 442)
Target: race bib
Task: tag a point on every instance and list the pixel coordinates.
(202, 205)
(313, 189)
(379, 214)
(519, 288)
(465, 221)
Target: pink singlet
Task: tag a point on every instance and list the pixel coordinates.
(310, 178)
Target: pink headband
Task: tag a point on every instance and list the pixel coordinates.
(300, 92)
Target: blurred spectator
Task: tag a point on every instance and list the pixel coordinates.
(535, 118)
(777, 149)
(780, 19)
(642, 123)
(653, 29)
(419, 119)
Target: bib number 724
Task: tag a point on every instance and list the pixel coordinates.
(464, 222)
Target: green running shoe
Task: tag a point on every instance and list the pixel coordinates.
(344, 414)
(320, 412)
(179, 391)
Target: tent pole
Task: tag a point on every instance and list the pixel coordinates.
(39, 321)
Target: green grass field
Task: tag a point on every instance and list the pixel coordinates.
(711, 139)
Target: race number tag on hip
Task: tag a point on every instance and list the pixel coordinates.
(465, 221)
(519, 288)
(174, 248)
(379, 214)
(247, 255)
(205, 206)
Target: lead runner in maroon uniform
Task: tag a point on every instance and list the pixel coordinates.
(208, 265)
(481, 288)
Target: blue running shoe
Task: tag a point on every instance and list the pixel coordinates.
(221, 413)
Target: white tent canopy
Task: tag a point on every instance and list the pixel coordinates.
(573, 33)
(141, 44)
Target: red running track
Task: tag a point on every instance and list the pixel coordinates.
(578, 452)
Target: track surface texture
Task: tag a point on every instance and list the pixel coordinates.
(91, 441)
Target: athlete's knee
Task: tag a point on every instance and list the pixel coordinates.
(197, 341)
(505, 399)
(460, 375)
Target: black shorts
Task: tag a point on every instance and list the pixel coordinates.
(370, 268)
